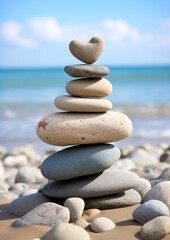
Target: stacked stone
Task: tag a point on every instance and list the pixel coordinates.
(84, 169)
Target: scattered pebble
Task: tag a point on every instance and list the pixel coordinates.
(149, 210)
(156, 229)
(81, 223)
(102, 224)
(66, 231)
(29, 174)
(143, 187)
(76, 207)
(87, 214)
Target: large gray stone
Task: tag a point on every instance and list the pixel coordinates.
(86, 70)
(124, 199)
(149, 210)
(79, 161)
(23, 205)
(49, 214)
(109, 182)
(67, 128)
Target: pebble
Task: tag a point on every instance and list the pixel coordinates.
(76, 207)
(1, 170)
(142, 158)
(79, 160)
(9, 196)
(29, 174)
(149, 210)
(66, 231)
(23, 205)
(156, 229)
(66, 128)
(124, 199)
(165, 174)
(90, 213)
(89, 87)
(160, 191)
(15, 161)
(3, 152)
(102, 224)
(49, 214)
(27, 192)
(125, 163)
(76, 104)
(87, 53)
(19, 187)
(143, 187)
(108, 182)
(3, 187)
(86, 70)
(81, 223)
(165, 157)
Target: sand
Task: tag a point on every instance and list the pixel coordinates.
(126, 228)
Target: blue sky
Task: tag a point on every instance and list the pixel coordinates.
(38, 32)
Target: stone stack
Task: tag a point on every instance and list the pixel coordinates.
(88, 127)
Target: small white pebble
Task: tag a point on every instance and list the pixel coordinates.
(102, 224)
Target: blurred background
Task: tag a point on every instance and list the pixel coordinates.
(34, 39)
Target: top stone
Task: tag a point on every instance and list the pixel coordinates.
(86, 70)
(87, 53)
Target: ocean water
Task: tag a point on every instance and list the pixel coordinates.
(143, 93)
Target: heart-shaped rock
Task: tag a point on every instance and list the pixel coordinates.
(87, 53)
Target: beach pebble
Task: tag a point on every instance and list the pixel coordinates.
(76, 104)
(66, 231)
(89, 87)
(49, 214)
(165, 157)
(67, 128)
(86, 70)
(19, 187)
(27, 192)
(76, 207)
(108, 182)
(156, 229)
(127, 150)
(15, 161)
(102, 224)
(3, 187)
(143, 187)
(87, 53)
(81, 223)
(29, 174)
(23, 205)
(9, 196)
(149, 210)
(125, 163)
(160, 191)
(79, 160)
(142, 158)
(165, 174)
(90, 213)
(1, 170)
(124, 199)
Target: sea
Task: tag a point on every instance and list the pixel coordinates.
(141, 92)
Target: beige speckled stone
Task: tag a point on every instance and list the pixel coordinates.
(68, 128)
(89, 52)
(90, 213)
(89, 87)
(75, 104)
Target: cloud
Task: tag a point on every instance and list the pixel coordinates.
(13, 32)
(48, 29)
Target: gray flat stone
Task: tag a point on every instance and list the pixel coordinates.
(124, 199)
(79, 161)
(109, 182)
(86, 70)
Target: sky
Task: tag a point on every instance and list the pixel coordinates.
(37, 33)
